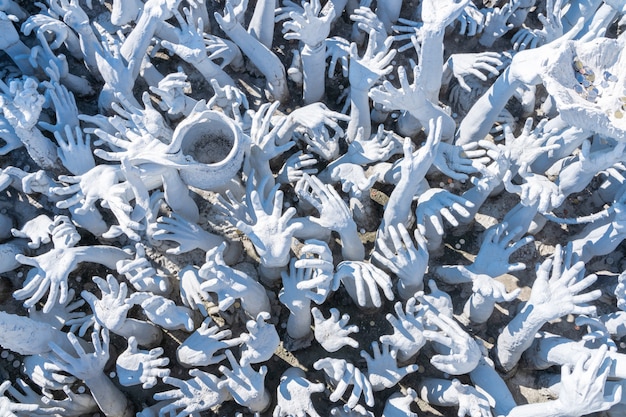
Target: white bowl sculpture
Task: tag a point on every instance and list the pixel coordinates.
(213, 147)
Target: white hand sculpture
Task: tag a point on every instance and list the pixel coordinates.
(496, 24)
(552, 27)
(318, 121)
(408, 97)
(365, 71)
(528, 146)
(583, 388)
(191, 396)
(144, 120)
(407, 338)
(66, 114)
(343, 374)
(324, 145)
(378, 147)
(88, 366)
(271, 231)
(43, 372)
(440, 300)
(553, 295)
(486, 293)
(265, 139)
(463, 352)
(493, 257)
(471, 402)
(111, 309)
(480, 65)
(265, 145)
(459, 161)
(23, 111)
(200, 348)
(226, 53)
(62, 313)
(37, 182)
(172, 91)
(399, 405)
(382, 369)
(188, 235)
(297, 301)
(436, 203)
(597, 333)
(141, 274)
(405, 260)
(7, 407)
(308, 26)
(333, 211)
(368, 22)
(230, 284)
(296, 165)
(245, 384)
(136, 145)
(294, 395)
(556, 295)
(408, 30)
(338, 50)
(229, 98)
(103, 182)
(260, 342)
(472, 20)
(191, 47)
(143, 367)
(163, 311)
(492, 175)
(353, 179)
(42, 23)
(333, 333)
(361, 280)
(75, 150)
(322, 281)
(537, 190)
(191, 293)
(74, 405)
(51, 269)
(525, 38)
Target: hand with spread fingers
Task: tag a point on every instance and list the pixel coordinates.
(333, 333)
(382, 369)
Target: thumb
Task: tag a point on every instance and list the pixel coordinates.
(132, 344)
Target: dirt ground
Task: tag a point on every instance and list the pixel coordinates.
(460, 246)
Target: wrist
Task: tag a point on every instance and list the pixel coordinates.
(432, 29)
(487, 39)
(348, 229)
(535, 317)
(314, 49)
(95, 381)
(355, 87)
(82, 27)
